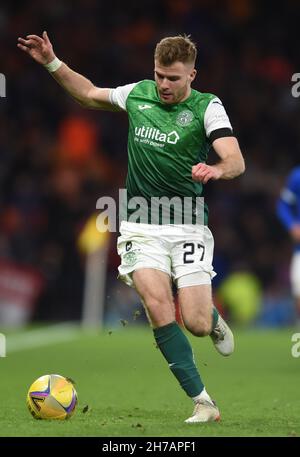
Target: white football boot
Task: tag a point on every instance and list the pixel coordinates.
(204, 411)
(222, 337)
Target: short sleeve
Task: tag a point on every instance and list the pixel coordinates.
(215, 117)
(118, 96)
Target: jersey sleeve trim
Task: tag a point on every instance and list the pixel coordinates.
(119, 95)
(220, 133)
(215, 117)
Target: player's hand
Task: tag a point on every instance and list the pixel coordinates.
(40, 49)
(295, 233)
(203, 173)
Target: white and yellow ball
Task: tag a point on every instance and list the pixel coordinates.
(52, 397)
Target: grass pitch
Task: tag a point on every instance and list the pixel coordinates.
(126, 384)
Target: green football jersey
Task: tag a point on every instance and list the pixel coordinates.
(164, 142)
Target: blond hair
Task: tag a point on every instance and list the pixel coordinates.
(178, 48)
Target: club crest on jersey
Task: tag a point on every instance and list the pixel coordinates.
(184, 118)
(130, 258)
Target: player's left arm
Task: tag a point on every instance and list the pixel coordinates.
(232, 163)
(219, 132)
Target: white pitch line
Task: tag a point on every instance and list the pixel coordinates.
(54, 334)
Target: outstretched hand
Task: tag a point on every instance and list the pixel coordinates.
(40, 49)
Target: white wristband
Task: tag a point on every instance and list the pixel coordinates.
(54, 65)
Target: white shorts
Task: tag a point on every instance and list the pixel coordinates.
(184, 252)
(295, 274)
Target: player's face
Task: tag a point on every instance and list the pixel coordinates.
(174, 81)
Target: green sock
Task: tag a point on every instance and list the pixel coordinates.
(177, 351)
(215, 316)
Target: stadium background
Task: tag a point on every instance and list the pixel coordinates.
(57, 159)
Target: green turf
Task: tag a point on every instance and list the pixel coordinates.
(127, 385)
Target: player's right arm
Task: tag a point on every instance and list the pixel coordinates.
(79, 87)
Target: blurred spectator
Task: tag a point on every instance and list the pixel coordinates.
(240, 296)
(19, 289)
(288, 210)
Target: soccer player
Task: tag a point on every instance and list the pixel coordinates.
(171, 128)
(288, 211)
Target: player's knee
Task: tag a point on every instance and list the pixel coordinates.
(154, 298)
(160, 312)
(157, 303)
(199, 326)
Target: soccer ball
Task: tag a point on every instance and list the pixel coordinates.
(52, 397)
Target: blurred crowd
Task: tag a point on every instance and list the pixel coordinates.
(57, 159)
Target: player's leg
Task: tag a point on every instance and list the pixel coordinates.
(295, 282)
(192, 255)
(141, 252)
(197, 308)
(199, 315)
(297, 303)
(197, 312)
(154, 289)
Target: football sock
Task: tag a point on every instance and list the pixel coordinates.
(215, 317)
(177, 351)
(203, 396)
